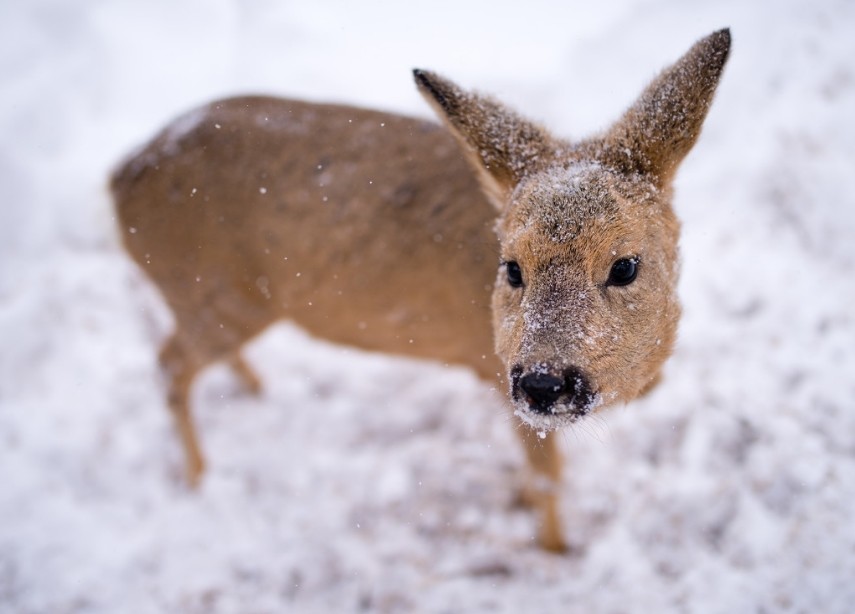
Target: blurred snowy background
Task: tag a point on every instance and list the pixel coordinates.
(730, 489)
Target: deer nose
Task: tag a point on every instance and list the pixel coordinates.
(546, 393)
(542, 388)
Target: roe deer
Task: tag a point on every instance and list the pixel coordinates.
(382, 232)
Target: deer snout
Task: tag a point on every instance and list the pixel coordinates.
(547, 392)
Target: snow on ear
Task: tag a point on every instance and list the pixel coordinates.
(503, 147)
(657, 132)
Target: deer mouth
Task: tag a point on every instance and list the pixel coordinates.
(548, 399)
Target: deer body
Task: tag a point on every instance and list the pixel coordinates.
(392, 252)
(371, 229)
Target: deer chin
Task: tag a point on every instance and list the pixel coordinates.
(557, 416)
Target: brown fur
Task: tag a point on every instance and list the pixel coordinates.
(370, 229)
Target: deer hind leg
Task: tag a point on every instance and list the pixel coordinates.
(246, 373)
(541, 492)
(180, 369)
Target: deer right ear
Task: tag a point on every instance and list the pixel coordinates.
(502, 146)
(657, 132)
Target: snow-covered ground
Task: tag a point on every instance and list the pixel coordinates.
(730, 489)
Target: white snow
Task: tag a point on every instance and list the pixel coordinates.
(362, 482)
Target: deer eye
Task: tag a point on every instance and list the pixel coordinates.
(623, 272)
(515, 278)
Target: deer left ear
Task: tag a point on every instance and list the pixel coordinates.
(657, 132)
(504, 147)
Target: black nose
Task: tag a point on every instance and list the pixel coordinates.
(543, 389)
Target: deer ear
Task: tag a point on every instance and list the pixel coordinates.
(502, 146)
(657, 132)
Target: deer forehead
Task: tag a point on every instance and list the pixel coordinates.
(584, 215)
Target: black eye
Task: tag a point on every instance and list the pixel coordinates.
(514, 274)
(623, 272)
